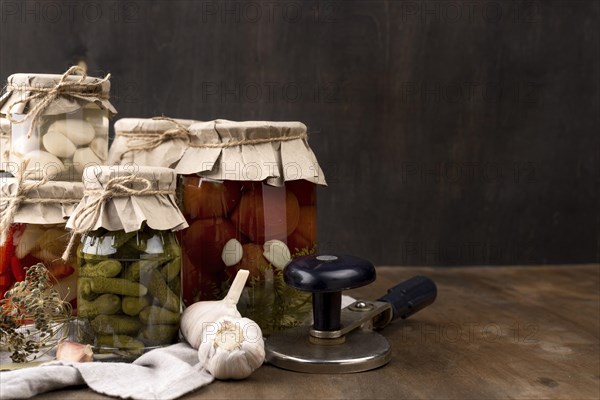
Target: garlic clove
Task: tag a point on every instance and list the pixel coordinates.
(56, 143)
(100, 147)
(41, 163)
(85, 157)
(77, 131)
(232, 252)
(232, 348)
(277, 253)
(200, 314)
(74, 352)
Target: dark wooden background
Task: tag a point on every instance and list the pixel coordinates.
(451, 132)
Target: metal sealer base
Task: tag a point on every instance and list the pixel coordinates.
(353, 348)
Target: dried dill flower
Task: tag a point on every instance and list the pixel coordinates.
(33, 316)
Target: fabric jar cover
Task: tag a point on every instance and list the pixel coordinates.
(128, 211)
(274, 152)
(66, 196)
(133, 132)
(78, 96)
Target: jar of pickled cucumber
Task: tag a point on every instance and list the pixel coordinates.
(59, 122)
(129, 260)
(33, 231)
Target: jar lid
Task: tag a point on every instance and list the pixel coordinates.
(148, 125)
(48, 203)
(118, 198)
(144, 141)
(22, 86)
(269, 151)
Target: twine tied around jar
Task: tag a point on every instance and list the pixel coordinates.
(85, 218)
(145, 141)
(9, 205)
(46, 95)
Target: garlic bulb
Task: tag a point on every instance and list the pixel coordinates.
(202, 313)
(73, 351)
(232, 348)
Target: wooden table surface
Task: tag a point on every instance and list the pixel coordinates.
(493, 332)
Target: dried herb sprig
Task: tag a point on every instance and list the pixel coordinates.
(33, 316)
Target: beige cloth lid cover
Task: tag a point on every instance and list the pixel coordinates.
(159, 211)
(62, 104)
(165, 155)
(46, 213)
(275, 161)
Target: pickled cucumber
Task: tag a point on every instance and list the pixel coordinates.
(117, 286)
(161, 291)
(106, 269)
(116, 324)
(104, 304)
(135, 269)
(171, 269)
(133, 305)
(154, 315)
(154, 335)
(131, 297)
(122, 342)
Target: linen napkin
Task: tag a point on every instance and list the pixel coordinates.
(165, 373)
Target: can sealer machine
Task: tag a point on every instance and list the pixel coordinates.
(343, 340)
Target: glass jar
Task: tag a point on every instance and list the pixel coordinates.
(4, 143)
(129, 260)
(37, 233)
(248, 225)
(129, 290)
(248, 194)
(29, 244)
(67, 135)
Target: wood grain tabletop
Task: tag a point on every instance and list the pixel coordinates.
(493, 333)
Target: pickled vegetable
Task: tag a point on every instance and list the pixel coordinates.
(29, 244)
(132, 303)
(259, 213)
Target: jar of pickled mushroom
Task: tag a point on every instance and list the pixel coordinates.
(32, 221)
(129, 260)
(59, 122)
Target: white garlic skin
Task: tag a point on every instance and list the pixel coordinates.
(197, 316)
(75, 352)
(203, 313)
(277, 253)
(232, 348)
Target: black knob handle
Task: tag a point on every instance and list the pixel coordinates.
(326, 276)
(410, 296)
